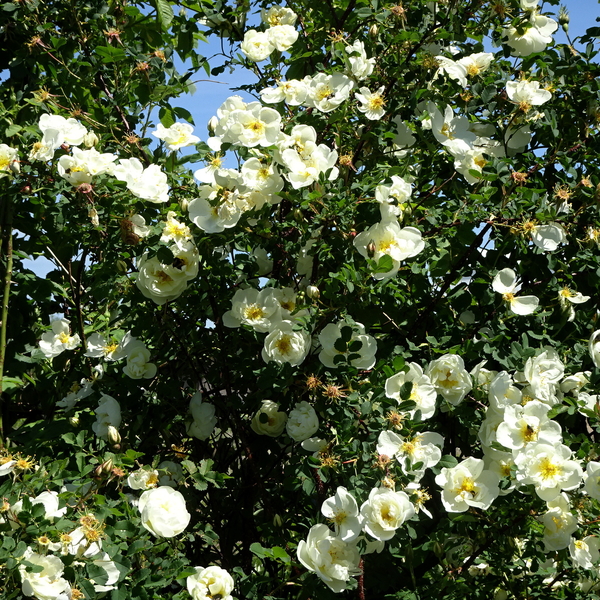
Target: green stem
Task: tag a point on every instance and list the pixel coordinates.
(6, 230)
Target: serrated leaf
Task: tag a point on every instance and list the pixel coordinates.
(346, 333)
(166, 116)
(384, 264)
(355, 346)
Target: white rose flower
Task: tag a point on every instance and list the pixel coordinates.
(332, 559)
(46, 584)
(9, 161)
(585, 552)
(282, 36)
(342, 511)
(360, 66)
(422, 393)
(163, 511)
(258, 309)
(450, 378)
(50, 502)
(257, 45)
(559, 523)
(148, 184)
(292, 91)
(535, 38)
(327, 92)
(302, 422)
(384, 512)
(284, 344)
(548, 237)
(372, 103)
(177, 136)
(269, 420)
(592, 479)
(64, 131)
(594, 348)
(357, 343)
(59, 339)
(108, 413)
(468, 484)
(505, 283)
(158, 282)
(389, 239)
(143, 479)
(567, 297)
(209, 583)
(137, 366)
(203, 418)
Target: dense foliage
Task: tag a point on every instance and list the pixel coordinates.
(361, 363)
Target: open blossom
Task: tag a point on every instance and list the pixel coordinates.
(327, 555)
(384, 512)
(210, 582)
(356, 342)
(536, 36)
(342, 511)
(468, 484)
(148, 183)
(163, 511)
(327, 92)
(59, 339)
(424, 448)
(293, 92)
(175, 232)
(594, 348)
(285, 344)
(505, 283)
(526, 94)
(388, 238)
(257, 309)
(278, 15)
(269, 420)
(549, 236)
(177, 136)
(48, 583)
(422, 392)
(302, 422)
(567, 297)
(450, 378)
(371, 103)
(523, 425)
(62, 131)
(84, 165)
(9, 160)
(559, 524)
(257, 45)
(138, 365)
(549, 468)
(143, 479)
(282, 37)
(359, 66)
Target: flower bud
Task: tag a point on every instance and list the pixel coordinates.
(121, 266)
(114, 437)
(107, 466)
(90, 139)
(563, 18)
(212, 125)
(74, 421)
(312, 291)
(374, 30)
(184, 204)
(98, 472)
(277, 521)
(371, 249)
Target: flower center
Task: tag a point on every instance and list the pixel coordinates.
(283, 344)
(254, 312)
(548, 469)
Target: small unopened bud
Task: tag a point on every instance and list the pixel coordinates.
(374, 30)
(93, 215)
(371, 249)
(74, 421)
(212, 125)
(277, 521)
(107, 466)
(312, 291)
(26, 189)
(563, 18)
(98, 472)
(438, 549)
(114, 437)
(121, 267)
(184, 204)
(90, 139)
(298, 215)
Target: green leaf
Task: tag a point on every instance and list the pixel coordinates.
(355, 346)
(164, 13)
(384, 264)
(406, 390)
(346, 333)
(12, 129)
(280, 554)
(340, 345)
(166, 116)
